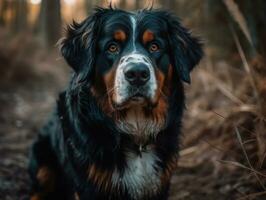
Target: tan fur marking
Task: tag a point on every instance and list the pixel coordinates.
(110, 92)
(160, 79)
(148, 36)
(169, 78)
(164, 83)
(35, 197)
(101, 178)
(171, 165)
(103, 91)
(46, 178)
(120, 35)
(159, 112)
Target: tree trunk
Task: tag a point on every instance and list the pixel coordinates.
(49, 24)
(123, 4)
(3, 8)
(89, 6)
(137, 4)
(169, 4)
(53, 21)
(19, 20)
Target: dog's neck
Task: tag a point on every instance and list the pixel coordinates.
(140, 125)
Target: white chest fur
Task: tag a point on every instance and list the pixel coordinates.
(141, 176)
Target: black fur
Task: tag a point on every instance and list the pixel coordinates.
(79, 134)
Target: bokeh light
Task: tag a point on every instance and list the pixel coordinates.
(70, 2)
(35, 1)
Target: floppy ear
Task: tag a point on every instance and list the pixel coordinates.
(79, 46)
(186, 50)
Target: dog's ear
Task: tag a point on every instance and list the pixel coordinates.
(186, 50)
(78, 47)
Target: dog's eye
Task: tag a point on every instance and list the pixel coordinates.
(154, 47)
(113, 48)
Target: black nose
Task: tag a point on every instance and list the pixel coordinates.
(137, 74)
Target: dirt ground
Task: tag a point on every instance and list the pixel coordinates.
(203, 172)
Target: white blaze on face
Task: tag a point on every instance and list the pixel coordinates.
(122, 86)
(134, 25)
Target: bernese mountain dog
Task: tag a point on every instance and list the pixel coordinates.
(115, 130)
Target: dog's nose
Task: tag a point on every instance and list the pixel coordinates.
(137, 74)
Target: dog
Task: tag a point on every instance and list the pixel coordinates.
(114, 134)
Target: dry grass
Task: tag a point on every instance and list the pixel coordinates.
(225, 128)
(239, 18)
(225, 121)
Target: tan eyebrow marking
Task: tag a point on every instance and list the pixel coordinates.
(148, 36)
(120, 35)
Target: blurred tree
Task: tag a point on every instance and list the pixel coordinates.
(169, 4)
(102, 2)
(212, 18)
(3, 8)
(255, 14)
(137, 4)
(89, 6)
(19, 17)
(123, 4)
(50, 23)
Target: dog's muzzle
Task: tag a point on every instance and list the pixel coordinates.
(135, 79)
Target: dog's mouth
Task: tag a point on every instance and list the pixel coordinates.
(135, 98)
(138, 97)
